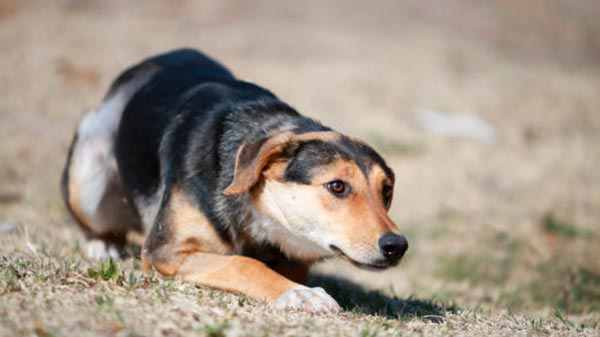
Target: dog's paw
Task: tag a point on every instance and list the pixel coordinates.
(95, 249)
(308, 299)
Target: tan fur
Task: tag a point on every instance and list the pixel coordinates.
(309, 213)
(73, 190)
(377, 178)
(227, 272)
(192, 230)
(234, 273)
(362, 218)
(136, 237)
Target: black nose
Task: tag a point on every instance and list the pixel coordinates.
(393, 246)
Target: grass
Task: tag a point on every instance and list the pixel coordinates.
(119, 302)
(503, 238)
(573, 289)
(490, 266)
(107, 270)
(555, 226)
(562, 281)
(353, 297)
(215, 330)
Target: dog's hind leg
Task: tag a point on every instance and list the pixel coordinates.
(91, 186)
(92, 191)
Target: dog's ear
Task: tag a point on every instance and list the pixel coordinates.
(252, 158)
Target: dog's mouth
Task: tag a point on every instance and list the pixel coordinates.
(378, 265)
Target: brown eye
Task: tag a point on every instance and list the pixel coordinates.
(386, 193)
(337, 188)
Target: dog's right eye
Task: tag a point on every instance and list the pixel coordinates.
(338, 188)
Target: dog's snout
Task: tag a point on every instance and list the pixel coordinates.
(393, 246)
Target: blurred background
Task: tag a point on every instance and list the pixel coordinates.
(488, 111)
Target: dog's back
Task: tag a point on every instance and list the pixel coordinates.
(115, 148)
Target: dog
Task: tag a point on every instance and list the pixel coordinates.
(226, 186)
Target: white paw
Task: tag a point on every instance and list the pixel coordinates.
(308, 299)
(95, 249)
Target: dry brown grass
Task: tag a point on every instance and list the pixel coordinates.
(503, 236)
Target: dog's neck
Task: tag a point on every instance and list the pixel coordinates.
(264, 228)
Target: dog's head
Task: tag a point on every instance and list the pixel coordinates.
(321, 194)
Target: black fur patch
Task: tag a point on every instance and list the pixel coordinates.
(314, 154)
(365, 156)
(308, 157)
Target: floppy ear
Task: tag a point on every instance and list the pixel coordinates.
(253, 157)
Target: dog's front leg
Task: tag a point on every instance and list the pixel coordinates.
(251, 277)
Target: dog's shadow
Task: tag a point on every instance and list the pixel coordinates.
(353, 297)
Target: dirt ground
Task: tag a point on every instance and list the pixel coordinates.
(503, 225)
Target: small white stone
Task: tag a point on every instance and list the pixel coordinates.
(7, 227)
